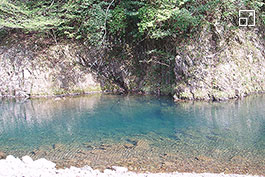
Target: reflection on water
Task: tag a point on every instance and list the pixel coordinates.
(31, 122)
(154, 133)
(242, 121)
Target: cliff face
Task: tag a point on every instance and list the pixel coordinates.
(216, 65)
(27, 69)
(213, 65)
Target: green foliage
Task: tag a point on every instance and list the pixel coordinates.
(183, 21)
(118, 21)
(83, 19)
(259, 7)
(157, 19)
(90, 20)
(166, 18)
(21, 17)
(147, 15)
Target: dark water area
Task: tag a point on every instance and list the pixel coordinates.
(139, 132)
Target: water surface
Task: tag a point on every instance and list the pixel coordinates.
(139, 132)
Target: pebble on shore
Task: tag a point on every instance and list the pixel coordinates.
(12, 166)
(2, 155)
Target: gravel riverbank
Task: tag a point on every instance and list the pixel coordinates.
(26, 167)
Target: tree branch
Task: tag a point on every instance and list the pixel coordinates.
(105, 24)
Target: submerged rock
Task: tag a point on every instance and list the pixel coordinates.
(88, 146)
(104, 146)
(203, 158)
(143, 145)
(128, 146)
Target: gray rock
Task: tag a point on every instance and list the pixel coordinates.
(25, 72)
(216, 66)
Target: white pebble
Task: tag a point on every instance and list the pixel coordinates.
(14, 167)
(120, 169)
(10, 158)
(27, 159)
(43, 163)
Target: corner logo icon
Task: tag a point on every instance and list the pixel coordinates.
(246, 18)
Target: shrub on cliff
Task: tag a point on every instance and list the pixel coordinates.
(90, 20)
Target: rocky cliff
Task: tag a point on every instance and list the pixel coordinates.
(219, 64)
(216, 64)
(31, 66)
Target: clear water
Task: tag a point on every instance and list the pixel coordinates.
(162, 135)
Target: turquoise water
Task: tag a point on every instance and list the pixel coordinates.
(99, 125)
